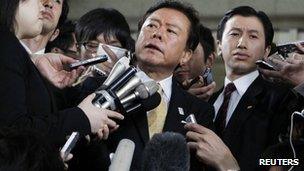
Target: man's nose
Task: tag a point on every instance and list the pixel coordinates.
(242, 43)
(48, 4)
(157, 34)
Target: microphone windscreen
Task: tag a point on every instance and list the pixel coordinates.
(123, 156)
(166, 151)
(151, 102)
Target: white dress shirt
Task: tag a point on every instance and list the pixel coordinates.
(40, 52)
(166, 85)
(241, 85)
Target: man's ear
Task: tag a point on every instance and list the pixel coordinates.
(267, 51)
(210, 60)
(186, 56)
(56, 50)
(54, 35)
(219, 44)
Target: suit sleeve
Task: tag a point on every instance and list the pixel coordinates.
(13, 100)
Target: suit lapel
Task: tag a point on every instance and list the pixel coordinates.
(244, 109)
(176, 111)
(215, 96)
(141, 123)
(173, 118)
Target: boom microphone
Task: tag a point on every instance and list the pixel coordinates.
(123, 156)
(166, 151)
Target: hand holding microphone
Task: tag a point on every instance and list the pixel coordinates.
(101, 120)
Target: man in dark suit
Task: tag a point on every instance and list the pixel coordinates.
(167, 38)
(251, 112)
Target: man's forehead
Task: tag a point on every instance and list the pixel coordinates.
(245, 23)
(170, 17)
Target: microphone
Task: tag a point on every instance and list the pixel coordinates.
(123, 156)
(127, 88)
(108, 94)
(121, 66)
(166, 151)
(145, 104)
(143, 91)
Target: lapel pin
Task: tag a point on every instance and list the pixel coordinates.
(181, 111)
(249, 107)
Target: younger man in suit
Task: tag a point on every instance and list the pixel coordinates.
(251, 112)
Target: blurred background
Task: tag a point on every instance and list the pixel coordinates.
(287, 17)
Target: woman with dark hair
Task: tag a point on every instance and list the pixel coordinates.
(26, 100)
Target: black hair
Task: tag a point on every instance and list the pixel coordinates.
(184, 8)
(8, 10)
(106, 21)
(166, 151)
(26, 149)
(65, 38)
(247, 11)
(207, 41)
(64, 13)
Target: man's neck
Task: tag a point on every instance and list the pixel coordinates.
(156, 74)
(233, 76)
(37, 43)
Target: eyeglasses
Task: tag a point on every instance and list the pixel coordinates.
(91, 46)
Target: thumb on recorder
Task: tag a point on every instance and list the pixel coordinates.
(101, 120)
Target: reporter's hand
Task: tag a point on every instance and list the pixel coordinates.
(100, 119)
(202, 92)
(290, 70)
(52, 65)
(66, 159)
(107, 66)
(210, 149)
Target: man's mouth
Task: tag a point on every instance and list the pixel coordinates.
(47, 15)
(153, 47)
(241, 55)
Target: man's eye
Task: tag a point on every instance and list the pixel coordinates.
(171, 31)
(253, 36)
(151, 25)
(234, 34)
(58, 1)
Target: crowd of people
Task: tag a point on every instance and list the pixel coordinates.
(42, 102)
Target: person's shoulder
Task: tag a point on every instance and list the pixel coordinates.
(10, 45)
(278, 88)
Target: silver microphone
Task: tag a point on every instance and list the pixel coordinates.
(123, 156)
(127, 88)
(143, 91)
(121, 66)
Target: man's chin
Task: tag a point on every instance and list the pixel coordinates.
(47, 28)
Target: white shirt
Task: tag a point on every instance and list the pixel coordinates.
(40, 52)
(166, 85)
(241, 85)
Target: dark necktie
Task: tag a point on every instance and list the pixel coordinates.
(220, 121)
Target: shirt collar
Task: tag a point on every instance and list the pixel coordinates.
(25, 47)
(166, 85)
(40, 52)
(243, 82)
